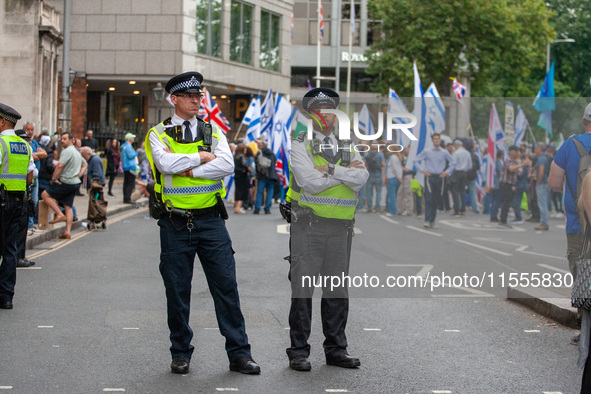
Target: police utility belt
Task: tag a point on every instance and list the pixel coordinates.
(307, 216)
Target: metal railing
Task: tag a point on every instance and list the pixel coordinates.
(103, 132)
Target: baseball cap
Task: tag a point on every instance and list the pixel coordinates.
(587, 114)
(129, 135)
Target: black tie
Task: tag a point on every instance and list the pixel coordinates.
(188, 135)
(327, 148)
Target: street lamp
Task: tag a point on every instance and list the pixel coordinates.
(548, 50)
(159, 94)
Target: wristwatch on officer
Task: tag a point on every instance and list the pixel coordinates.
(330, 169)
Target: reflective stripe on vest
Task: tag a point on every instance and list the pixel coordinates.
(337, 202)
(181, 191)
(16, 155)
(194, 189)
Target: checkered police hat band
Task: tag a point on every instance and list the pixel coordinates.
(9, 118)
(191, 83)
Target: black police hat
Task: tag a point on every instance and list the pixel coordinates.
(318, 96)
(189, 82)
(9, 113)
(21, 133)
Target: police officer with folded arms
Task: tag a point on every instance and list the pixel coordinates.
(327, 174)
(16, 171)
(189, 159)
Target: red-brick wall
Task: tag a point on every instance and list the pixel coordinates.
(78, 98)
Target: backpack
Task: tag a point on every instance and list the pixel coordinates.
(373, 162)
(584, 167)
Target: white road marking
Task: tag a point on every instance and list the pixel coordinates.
(422, 273)
(336, 391)
(424, 231)
(372, 329)
(473, 292)
(131, 328)
(56, 345)
(44, 326)
(283, 229)
(226, 389)
(356, 230)
(531, 330)
(451, 330)
(28, 268)
(480, 227)
(554, 268)
(483, 247)
(5, 387)
(386, 218)
(551, 392)
(521, 248)
(108, 389)
(441, 391)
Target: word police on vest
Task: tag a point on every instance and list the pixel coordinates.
(18, 148)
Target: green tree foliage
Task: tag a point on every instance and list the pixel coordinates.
(496, 43)
(572, 19)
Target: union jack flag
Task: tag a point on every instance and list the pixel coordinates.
(320, 20)
(459, 90)
(210, 112)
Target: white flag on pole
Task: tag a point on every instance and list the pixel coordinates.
(365, 123)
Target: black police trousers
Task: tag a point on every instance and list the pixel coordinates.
(319, 253)
(210, 240)
(14, 219)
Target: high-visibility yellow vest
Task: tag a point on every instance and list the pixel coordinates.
(337, 202)
(183, 192)
(16, 155)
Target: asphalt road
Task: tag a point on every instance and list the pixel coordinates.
(91, 316)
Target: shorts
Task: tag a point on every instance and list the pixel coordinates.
(64, 193)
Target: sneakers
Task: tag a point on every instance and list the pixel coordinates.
(559, 215)
(517, 221)
(388, 214)
(504, 225)
(427, 225)
(433, 226)
(541, 227)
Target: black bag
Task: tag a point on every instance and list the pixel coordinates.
(473, 172)
(581, 293)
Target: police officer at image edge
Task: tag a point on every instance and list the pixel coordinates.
(189, 159)
(16, 172)
(323, 194)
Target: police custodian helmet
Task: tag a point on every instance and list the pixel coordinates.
(9, 113)
(189, 82)
(319, 96)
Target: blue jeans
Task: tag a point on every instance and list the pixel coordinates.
(473, 191)
(264, 184)
(374, 181)
(495, 204)
(211, 242)
(35, 196)
(543, 193)
(393, 186)
(361, 196)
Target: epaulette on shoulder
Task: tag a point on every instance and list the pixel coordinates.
(167, 122)
(200, 120)
(301, 137)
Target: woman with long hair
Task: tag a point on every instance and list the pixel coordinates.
(113, 159)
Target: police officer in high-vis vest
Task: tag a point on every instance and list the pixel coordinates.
(327, 174)
(16, 171)
(189, 159)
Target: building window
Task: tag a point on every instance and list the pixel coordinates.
(208, 27)
(241, 33)
(346, 24)
(270, 35)
(305, 14)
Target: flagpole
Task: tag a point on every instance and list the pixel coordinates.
(337, 86)
(318, 44)
(350, 50)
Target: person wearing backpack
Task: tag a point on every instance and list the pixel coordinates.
(266, 175)
(565, 169)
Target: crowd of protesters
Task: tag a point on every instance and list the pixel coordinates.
(520, 184)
